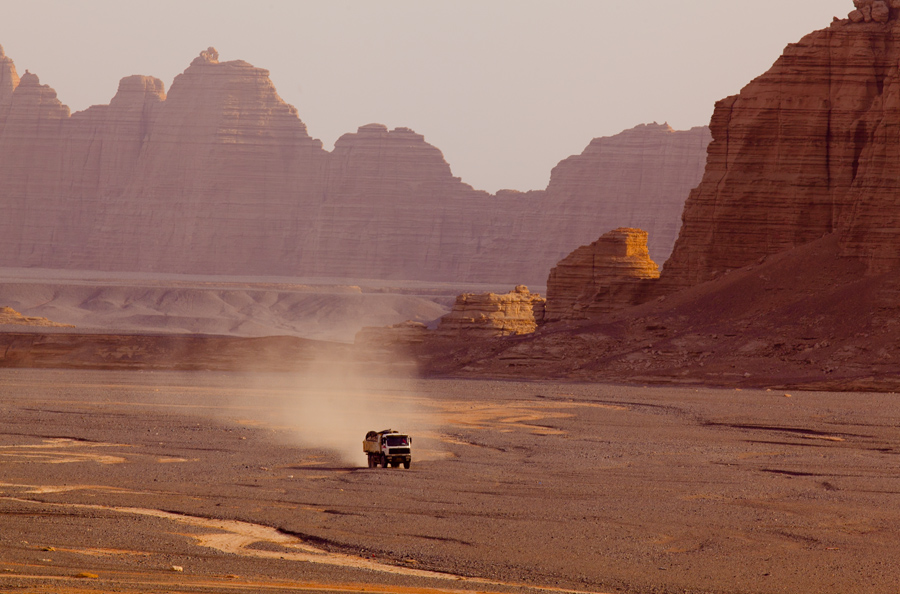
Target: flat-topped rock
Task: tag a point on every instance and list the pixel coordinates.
(611, 273)
(487, 315)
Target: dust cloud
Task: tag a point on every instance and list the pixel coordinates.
(334, 402)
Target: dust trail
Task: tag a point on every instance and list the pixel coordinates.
(333, 403)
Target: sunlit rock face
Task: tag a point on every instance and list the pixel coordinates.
(612, 273)
(9, 78)
(810, 147)
(489, 315)
(219, 176)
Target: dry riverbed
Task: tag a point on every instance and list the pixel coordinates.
(225, 482)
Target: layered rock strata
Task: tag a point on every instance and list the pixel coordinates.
(638, 178)
(9, 78)
(219, 176)
(405, 334)
(488, 315)
(612, 273)
(10, 317)
(809, 148)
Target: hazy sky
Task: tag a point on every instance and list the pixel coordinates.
(505, 88)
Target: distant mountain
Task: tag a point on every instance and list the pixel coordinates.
(220, 176)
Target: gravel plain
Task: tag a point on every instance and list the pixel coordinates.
(114, 481)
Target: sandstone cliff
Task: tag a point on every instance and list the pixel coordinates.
(392, 202)
(638, 178)
(220, 176)
(10, 317)
(9, 78)
(488, 315)
(808, 148)
(611, 273)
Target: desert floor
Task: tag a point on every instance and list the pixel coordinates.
(112, 481)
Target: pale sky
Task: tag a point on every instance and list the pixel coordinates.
(505, 88)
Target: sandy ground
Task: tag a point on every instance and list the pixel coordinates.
(253, 483)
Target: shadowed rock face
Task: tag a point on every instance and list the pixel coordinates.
(220, 176)
(809, 148)
(612, 273)
(10, 317)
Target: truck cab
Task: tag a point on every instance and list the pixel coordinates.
(388, 447)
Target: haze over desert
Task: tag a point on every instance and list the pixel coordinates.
(239, 357)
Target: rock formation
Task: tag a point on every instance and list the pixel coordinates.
(9, 78)
(406, 333)
(392, 202)
(10, 317)
(488, 315)
(220, 176)
(611, 273)
(786, 268)
(807, 149)
(873, 10)
(638, 178)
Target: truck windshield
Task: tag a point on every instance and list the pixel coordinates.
(397, 440)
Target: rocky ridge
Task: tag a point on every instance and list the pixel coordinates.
(612, 273)
(220, 176)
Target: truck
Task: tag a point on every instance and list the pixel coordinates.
(388, 447)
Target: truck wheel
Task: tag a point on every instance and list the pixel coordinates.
(406, 464)
(371, 462)
(384, 461)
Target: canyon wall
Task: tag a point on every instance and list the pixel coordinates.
(219, 176)
(809, 148)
